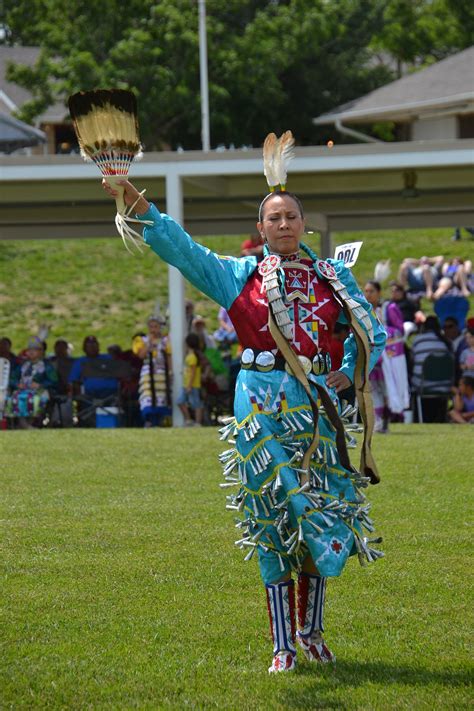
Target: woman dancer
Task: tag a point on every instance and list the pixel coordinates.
(300, 497)
(389, 378)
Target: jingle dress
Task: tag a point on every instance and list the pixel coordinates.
(273, 422)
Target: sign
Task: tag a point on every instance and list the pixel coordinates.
(348, 253)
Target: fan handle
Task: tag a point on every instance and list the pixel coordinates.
(113, 181)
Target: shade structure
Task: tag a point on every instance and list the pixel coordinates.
(16, 134)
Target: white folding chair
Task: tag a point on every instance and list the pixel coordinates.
(4, 380)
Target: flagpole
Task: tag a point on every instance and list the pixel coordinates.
(205, 132)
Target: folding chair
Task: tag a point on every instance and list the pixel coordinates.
(110, 372)
(437, 379)
(4, 382)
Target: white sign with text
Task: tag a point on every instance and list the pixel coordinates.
(348, 253)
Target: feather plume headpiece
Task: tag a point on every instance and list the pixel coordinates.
(106, 126)
(277, 154)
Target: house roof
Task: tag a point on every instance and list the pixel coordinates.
(13, 96)
(16, 134)
(446, 85)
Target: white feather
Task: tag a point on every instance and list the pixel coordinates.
(284, 155)
(382, 270)
(269, 155)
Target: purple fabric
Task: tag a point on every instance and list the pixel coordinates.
(468, 403)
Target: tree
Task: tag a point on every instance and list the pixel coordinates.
(418, 32)
(273, 64)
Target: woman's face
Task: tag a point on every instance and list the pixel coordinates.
(282, 225)
(154, 329)
(34, 354)
(372, 294)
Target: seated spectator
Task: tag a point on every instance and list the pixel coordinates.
(114, 350)
(30, 385)
(452, 332)
(430, 340)
(62, 363)
(6, 351)
(420, 275)
(79, 382)
(252, 247)
(463, 409)
(466, 356)
(454, 273)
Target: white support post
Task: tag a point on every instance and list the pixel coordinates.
(177, 322)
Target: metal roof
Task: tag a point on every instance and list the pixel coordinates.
(15, 134)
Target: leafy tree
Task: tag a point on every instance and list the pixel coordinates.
(419, 32)
(273, 64)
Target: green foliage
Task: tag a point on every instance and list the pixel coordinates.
(122, 587)
(419, 32)
(271, 65)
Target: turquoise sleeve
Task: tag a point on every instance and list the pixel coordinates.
(377, 339)
(220, 278)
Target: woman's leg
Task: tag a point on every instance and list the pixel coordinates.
(444, 285)
(280, 592)
(311, 601)
(460, 279)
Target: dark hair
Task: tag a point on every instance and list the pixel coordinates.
(282, 193)
(375, 284)
(432, 324)
(467, 380)
(451, 318)
(470, 330)
(192, 341)
(397, 285)
(5, 339)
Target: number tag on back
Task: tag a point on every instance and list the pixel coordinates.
(348, 253)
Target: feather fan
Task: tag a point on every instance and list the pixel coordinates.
(106, 126)
(277, 154)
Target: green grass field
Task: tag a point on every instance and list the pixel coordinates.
(78, 287)
(121, 586)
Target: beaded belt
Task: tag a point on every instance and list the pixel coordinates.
(265, 361)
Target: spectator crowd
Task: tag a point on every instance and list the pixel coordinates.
(133, 387)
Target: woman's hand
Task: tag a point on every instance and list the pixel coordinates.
(130, 195)
(338, 381)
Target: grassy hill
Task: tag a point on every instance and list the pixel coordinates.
(78, 287)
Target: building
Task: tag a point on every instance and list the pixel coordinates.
(433, 104)
(59, 132)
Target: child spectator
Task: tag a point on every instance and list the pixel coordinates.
(190, 396)
(463, 410)
(466, 357)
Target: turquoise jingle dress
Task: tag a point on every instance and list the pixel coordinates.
(279, 518)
